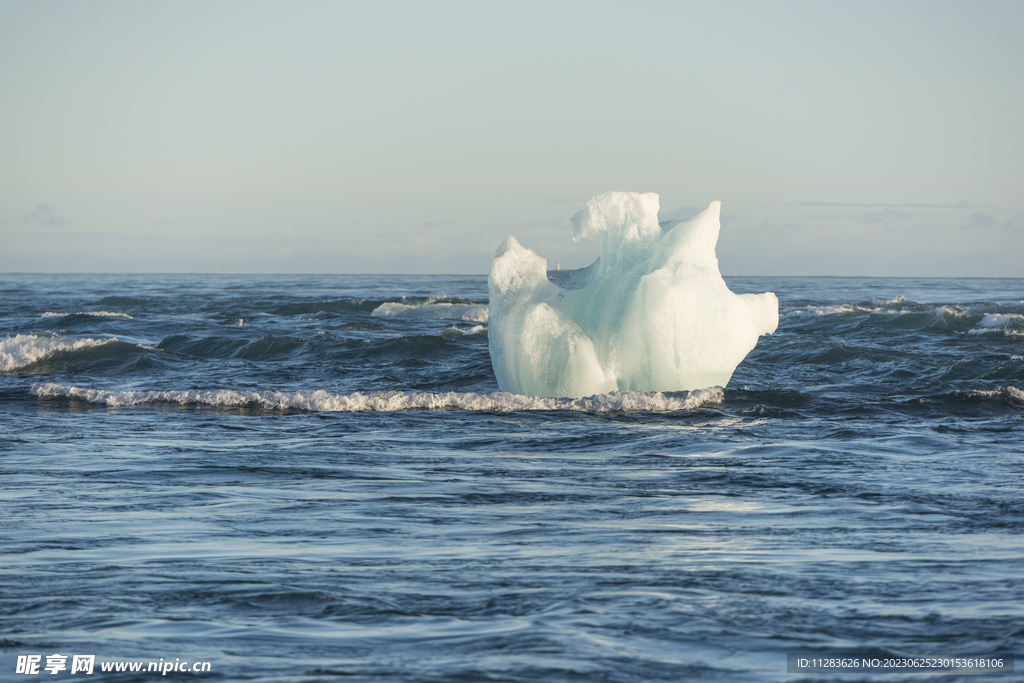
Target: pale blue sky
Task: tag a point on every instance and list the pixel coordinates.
(851, 138)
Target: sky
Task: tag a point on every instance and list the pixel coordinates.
(843, 138)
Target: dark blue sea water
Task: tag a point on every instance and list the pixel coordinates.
(262, 473)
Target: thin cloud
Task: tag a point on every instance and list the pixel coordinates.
(43, 216)
(854, 205)
(1006, 220)
(981, 221)
(893, 219)
(768, 224)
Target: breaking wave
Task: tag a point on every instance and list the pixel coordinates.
(867, 309)
(95, 314)
(24, 350)
(433, 310)
(983, 401)
(818, 311)
(390, 401)
(899, 313)
(1009, 324)
(455, 332)
(1002, 392)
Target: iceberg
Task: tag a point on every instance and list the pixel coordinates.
(652, 313)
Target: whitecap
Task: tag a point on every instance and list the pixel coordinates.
(939, 312)
(954, 311)
(387, 401)
(1001, 319)
(432, 310)
(108, 314)
(1005, 333)
(97, 314)
(453, 332)
(25, 349)
(818, 311)
(1008, 324)
(390, 308)
(880, 301)
(1008, 391)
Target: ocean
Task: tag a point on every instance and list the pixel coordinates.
(315, 478)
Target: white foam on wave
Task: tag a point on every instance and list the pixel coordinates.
(97, 314)
(390, 308)
(1005, 333)
(1008, 324)
(954, 311)
(1008, 391)
(1001, 319)
(453, 332)
(109, 314)
(939, 312)
(389, 401)
(433, 311)
(25, 349)
(880, 301)
(818, 311)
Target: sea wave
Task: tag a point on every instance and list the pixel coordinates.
(1009, 324)
(25, 349)
(898, 313)
(95, 314)
(819, 311)
(433, 310)
(391, 401)
(896, 300)
(1001, 320)
(845, 309)
(455, 332)
(1001, 395)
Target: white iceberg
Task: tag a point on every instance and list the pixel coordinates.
(652, 313)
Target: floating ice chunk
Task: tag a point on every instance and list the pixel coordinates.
(651, 314)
